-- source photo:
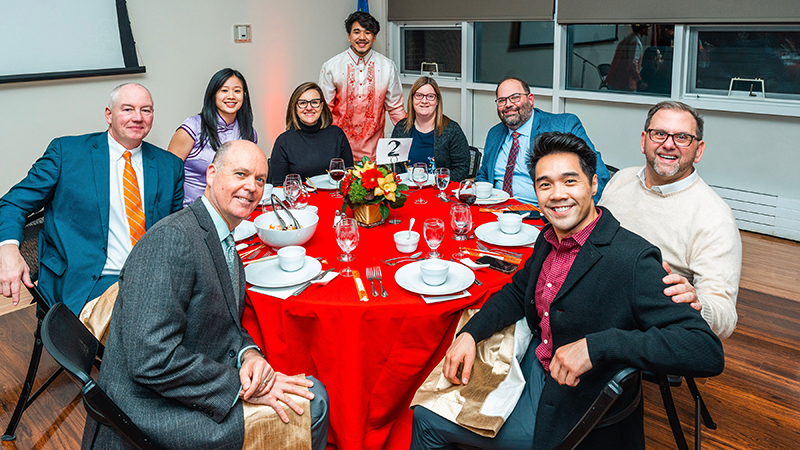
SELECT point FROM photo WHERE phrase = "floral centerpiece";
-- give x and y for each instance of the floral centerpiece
(370, 191)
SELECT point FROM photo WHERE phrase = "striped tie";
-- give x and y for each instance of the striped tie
(133, 200)
(508, 179)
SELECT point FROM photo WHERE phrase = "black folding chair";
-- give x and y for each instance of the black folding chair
(474, 162)
(75, 349)
(665, 384)
(29, 248)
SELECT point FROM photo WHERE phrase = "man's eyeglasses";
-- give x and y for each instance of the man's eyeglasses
(661, 136)
(316, 103)
(513, 98)
(419, 96)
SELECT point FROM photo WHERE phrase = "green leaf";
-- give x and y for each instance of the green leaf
(384, 210)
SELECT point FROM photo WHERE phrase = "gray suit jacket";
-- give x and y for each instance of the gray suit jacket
(170, 360)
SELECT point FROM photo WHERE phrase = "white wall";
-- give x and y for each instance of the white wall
(182, 43)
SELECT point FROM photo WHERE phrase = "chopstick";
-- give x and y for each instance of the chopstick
(251, 251)
(311, 183)
(266, 258)
(479, 253)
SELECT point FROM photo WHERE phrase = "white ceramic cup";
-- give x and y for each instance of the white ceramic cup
(510, 223)
(291, 258)
(483, 189)
(404, 243)
(309, 208)
(434, 271)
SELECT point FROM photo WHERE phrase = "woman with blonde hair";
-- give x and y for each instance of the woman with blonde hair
(437, 140)
(310, 140)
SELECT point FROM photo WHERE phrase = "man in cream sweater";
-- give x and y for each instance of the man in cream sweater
(668, 204)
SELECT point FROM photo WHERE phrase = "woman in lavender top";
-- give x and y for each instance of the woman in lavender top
(226, 116)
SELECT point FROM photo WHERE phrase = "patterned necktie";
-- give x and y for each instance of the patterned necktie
(508, 179)
(232, 257)
(133, 200)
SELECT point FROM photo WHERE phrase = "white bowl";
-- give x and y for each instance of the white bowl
(434, 271)
(483, 189)
(276, 238)
(404, 244)
(510, 223)
(291, 258)
(309, 208)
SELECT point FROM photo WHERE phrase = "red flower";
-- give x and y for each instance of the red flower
(346, 182)
(369, 179)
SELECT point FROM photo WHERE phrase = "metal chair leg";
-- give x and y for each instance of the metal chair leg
(697, 436)
(672, 414)
(27, 386)
(707, 421)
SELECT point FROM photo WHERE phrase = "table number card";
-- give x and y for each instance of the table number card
(392, 150)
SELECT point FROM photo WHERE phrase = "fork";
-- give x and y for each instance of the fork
(370, 277)
(376, 273)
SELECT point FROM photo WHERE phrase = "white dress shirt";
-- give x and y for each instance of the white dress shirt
(119, 231)
(521, 183)
(668, 188)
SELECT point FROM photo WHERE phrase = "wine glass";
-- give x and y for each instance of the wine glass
(467, 193)
(336, 173)
(433, 229)
(347, 238)
(419, 175)
(460, 221)
(291, 176)
(442, 176)
(295, 193)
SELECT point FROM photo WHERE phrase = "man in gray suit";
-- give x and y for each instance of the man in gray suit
(178, 360)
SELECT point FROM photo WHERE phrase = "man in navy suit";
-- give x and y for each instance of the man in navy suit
(79, 183)
(521, 124)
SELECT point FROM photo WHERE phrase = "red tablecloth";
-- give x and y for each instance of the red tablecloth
(372, 356)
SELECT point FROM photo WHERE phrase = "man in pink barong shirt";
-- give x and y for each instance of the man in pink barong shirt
(360, 85)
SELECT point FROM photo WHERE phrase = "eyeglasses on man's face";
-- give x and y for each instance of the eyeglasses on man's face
(315, 103)
(418, 96)
(513, 98)
(661, 136)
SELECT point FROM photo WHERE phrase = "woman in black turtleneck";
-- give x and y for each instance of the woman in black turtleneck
(310, 140)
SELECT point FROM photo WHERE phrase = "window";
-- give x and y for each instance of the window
(521, 49)
(630, 58)
(429, 49)
(747, 62)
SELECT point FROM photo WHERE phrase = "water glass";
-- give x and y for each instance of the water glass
(460, 221)
(347, 238)
(296, 194)
(442, 176)
(433, 230)
(419, 175)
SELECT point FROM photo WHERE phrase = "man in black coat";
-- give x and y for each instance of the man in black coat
(592, 295)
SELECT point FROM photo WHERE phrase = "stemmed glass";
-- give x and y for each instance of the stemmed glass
(433, 229)
(442, 176)
(347, 238)
(295, 193)
(336, 173)
(467, 192)
(419, 175)
(461, 223)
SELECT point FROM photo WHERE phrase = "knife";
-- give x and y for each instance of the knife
(308, 283)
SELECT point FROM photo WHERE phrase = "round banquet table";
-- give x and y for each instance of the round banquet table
(372, 356)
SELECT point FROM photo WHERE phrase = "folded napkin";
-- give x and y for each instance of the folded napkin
(444, 298)
(286, 292)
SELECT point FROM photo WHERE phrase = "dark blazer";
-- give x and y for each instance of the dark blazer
(543, 122)
(613, 296)
(171, 355)
(71, 182)
(450, 150)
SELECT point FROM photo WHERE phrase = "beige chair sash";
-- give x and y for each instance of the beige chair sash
(96, 315)
(490, 387)
(263, 428)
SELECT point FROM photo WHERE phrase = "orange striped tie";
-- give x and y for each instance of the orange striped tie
(133, 200)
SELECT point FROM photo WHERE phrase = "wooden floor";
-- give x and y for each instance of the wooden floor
(755, 401)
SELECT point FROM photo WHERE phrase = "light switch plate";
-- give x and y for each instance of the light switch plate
(241, 33)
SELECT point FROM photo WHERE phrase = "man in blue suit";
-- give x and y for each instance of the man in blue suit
(521, 124)
(78, 181)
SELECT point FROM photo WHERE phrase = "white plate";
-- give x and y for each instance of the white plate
(406, 178)
(459, 277)
(270, 275)
(324, 183)
(244, 230)
(278, 191)
(491, 234)
(498, 196)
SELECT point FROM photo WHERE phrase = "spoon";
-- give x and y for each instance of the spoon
(410, 226)
(526, 215)
(415, 255)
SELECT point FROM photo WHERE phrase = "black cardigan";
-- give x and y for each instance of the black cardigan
(450, 150)
(308, 151)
